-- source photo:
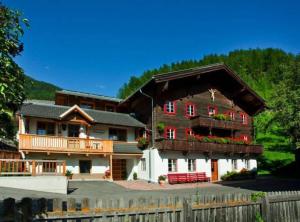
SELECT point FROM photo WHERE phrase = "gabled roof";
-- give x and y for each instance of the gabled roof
(49, 111)
(89, 95)
(76, 108)
(244, 92)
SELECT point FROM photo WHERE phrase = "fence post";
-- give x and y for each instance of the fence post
(265, 209)
(33, 168)
(187, 210)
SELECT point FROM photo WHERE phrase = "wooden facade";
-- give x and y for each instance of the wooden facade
(230, 95)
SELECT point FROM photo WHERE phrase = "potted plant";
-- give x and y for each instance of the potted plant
(142, 142)
(135, 177)
(162, 179)
(160, 127)
(69, 174)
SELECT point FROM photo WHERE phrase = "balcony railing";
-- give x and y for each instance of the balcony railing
(13, 167)
(214, 123)
(204, 147)
(56, 144)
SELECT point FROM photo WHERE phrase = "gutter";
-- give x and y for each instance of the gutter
(152, 132)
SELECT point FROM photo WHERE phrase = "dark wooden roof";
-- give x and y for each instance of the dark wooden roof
(7, 145)
(224, 77)
(54, 111)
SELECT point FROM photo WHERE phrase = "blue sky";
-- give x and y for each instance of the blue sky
(95, 46)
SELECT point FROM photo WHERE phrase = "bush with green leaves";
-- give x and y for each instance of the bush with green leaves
(242, 175)
(160, 127)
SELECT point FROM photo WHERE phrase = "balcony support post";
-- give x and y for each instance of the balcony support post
(110, 167)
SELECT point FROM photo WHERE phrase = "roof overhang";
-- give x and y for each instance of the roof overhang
(76, 109)
(243, 93)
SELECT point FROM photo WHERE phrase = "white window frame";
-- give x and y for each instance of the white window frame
(170, 107)
(172, 165)
(170, 133)
(143, 164)
(191, 165)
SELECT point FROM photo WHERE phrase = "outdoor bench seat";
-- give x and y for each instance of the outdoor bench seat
(174, 178)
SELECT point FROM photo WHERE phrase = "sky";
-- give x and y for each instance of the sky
(95, 46)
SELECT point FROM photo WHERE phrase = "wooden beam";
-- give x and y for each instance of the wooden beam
(110, 167)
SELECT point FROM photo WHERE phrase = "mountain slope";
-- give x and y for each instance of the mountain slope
(35, 89)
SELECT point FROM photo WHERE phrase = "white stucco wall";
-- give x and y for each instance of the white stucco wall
(98, 131)
(53, 184)
(159, 163)
(99, 164)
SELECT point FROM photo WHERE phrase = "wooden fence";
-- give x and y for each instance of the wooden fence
(14, 167)
(270, 207)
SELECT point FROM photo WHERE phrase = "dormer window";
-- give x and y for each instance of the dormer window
(212, 110)
(170, 133)
(190, 110)
(244, 119)
(170, 107)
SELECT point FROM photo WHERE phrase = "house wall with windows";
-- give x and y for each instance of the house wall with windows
(202, 164)
(97, 131)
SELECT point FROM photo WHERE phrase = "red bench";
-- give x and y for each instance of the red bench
(187, 177)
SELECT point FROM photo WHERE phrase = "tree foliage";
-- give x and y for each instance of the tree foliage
(286, 103)
(11, 75)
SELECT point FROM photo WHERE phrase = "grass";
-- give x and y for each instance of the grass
(279, 155)
(270, 161)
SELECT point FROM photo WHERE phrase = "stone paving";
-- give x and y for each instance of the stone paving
(144, 185)
(137, 189)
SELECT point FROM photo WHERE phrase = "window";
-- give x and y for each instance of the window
(212, 110)
(244, 118)
(188, 132)
(110, 108)
(170, 133)
(191, 165)
(117, 134)
(234, 165)
(143, 164)
(245, 138)
(231, 115)
(45, 128)
(49, 166)
(247, 164)
(172, 165)
(190, 110)
(170, 107)
(87, 105)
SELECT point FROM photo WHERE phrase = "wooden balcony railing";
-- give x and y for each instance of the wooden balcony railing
(203, 147)
(222, 124)
(56, 144)
(13, 167)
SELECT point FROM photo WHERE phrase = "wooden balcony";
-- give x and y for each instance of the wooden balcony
(221, 124)
(70, 145)
(202, 147)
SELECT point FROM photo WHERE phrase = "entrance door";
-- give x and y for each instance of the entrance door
(73, 130)
(119, 169)
(214, 170)
(85, 166)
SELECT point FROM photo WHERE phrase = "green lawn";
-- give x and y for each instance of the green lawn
(272, 160)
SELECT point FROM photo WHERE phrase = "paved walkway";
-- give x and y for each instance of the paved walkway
(144, 185)
(136, 189)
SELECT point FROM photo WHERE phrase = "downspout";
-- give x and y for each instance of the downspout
(20, 151)
(152, 132)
